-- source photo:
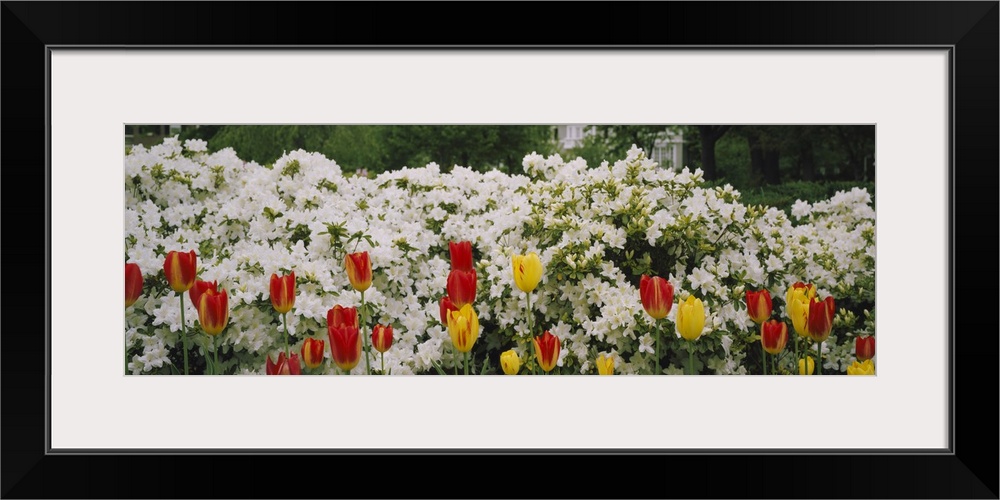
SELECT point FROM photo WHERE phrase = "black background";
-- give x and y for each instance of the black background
(971, 472)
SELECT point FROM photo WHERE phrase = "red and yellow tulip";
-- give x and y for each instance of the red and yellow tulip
(359, 270)
(463, 327)
(447, 306)
(819, 321)
(283, 366)
(382, 337)
(313, 351)
(759, 305)
(345, 346)
(527, 271)
(213, 311)
(864, 348)
(180, 270)
(342, 316)
(462, 287)
(797, 306)
(773, 336)
(133, 283)
(547, 348)
(283, 292)
(510, 362)
(657, 295)
(199, 288)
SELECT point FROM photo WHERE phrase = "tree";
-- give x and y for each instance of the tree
(709, 135)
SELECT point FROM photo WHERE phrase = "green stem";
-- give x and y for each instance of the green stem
(383, 363)
(284, 321)
(364, 315)
(531, 333)
(466, 363)
(656, 349)
(216, 357)
(691, 356)
(763, 353)
(184, 335)
(819, 358)
(797, 358)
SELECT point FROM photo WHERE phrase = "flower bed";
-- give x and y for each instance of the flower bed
(596, 231)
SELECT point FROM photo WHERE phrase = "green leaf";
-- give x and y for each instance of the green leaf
(438, 368)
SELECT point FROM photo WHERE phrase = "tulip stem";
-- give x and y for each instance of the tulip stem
(284, 322)
(184, 335)
(364, 318)
(819, 358)
(797, 358)
(656, 348)
(383, 363)
(216, 357)
(763, 359)
(531, 332)
(691, 357)
(466, 363)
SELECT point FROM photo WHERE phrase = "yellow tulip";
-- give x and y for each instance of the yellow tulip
(797, 306)
(527, 271)
(510, 362)
(690, 318)
(463, 326)
(802, 368)
(605, 365)
(866, 367)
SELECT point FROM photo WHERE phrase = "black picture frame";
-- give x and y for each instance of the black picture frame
(969, 29)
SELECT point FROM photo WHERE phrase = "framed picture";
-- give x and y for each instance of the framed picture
(928, 86)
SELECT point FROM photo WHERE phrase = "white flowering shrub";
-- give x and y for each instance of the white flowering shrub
(597, 230)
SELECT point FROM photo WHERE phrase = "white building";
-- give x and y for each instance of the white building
(668, 152)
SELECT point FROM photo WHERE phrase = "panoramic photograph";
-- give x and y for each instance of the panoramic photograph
(562, 249)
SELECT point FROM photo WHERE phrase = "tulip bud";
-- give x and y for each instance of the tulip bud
(819, 321)
(462, 287)
(759, 305)
(312, 352)
(133, 283)
(382, 337)
(213, 311)
(510, 362)
(773, 336)
(345, 346)
(527, 271)
(447, 306)
(284, 366)
(605, 365)
(864, 348)
(657, 295)
(201, 287)
(463, 327)
(359, 270)
(797, 306)
(283, 292)
(461, 255)
(690, 319)
(179, 269)
(546, 350)
(866, 367)
(802, 366)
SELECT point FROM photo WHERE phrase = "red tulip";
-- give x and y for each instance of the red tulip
(345, 346)
(462, 287)
(180, 269)
(213, 311)
(283, 292)
(820, 319)
(359, 270)
(199, 288)
(446, 308)
(657, 295)
(284, 366)
(461, 255)
(773, 336)
(759, 305)
(312, 352)
(133, 283)
(382, 337)
(342, 316)
(546, 350)
(864, 348)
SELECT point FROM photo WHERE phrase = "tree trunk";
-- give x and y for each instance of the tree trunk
(807, 162)
(772, 174)
(710, 134)
(756, 157)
